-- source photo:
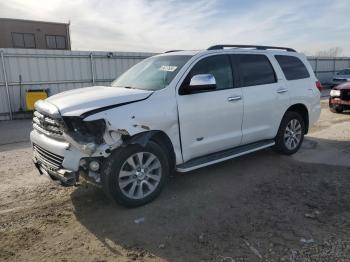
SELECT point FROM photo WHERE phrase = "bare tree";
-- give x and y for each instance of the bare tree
(331, 52)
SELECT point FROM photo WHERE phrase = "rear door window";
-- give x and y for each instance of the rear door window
(292, 67)
(254, 69)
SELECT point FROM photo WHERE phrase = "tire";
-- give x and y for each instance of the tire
(286, 134)
(130, 184)
(336, 108)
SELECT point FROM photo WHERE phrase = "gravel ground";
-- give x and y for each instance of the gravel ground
(260, 207)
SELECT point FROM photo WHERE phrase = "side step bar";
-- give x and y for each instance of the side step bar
(223, 155)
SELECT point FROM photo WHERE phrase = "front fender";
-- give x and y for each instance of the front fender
(141, 120)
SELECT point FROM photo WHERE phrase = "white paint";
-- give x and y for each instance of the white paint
(208, 122)
(78, 101)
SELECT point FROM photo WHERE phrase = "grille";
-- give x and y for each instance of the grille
(47, 158)
(47, 125)
(345, 94)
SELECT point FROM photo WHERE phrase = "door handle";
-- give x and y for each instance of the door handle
(234, 98)
(282, 90)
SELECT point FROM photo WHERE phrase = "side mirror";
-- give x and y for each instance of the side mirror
(202, 82)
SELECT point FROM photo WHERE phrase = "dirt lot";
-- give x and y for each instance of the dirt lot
(260, 207)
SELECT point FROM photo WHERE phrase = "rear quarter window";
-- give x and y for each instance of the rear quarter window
(293, 68)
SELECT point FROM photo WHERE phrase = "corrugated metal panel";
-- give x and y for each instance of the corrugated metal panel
(340, 64)
(325, 68)
(61, 70)
(4, 106)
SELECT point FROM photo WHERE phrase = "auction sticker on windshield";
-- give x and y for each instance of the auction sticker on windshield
(168, 68)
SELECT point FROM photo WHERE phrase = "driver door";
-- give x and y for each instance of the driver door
(210, 121)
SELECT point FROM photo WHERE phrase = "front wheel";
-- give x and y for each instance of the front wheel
(336, 108)
(290, 134)
(135, 175)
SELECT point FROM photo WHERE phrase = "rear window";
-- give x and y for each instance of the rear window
(254, 70)
(292, 67)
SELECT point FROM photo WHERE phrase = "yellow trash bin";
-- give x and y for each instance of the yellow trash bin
(33, 95)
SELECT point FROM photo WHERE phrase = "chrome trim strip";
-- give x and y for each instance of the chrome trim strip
(183, 170)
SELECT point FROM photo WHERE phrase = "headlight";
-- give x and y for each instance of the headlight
(335, 92)
(85, 131)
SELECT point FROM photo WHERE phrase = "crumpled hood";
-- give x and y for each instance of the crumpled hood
(78, 101)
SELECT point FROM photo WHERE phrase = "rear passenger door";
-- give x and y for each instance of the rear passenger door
(266, 97)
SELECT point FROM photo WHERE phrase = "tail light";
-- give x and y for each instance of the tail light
(319, 85)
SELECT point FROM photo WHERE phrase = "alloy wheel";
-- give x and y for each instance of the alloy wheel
(140, 175)
(292, 134)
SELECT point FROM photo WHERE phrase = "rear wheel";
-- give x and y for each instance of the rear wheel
(290, 134)
(135, 175)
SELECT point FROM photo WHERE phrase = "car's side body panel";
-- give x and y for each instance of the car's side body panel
(265, 105)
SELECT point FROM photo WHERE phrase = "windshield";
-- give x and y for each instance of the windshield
(153, 73)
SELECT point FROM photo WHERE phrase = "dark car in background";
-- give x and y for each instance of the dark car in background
(341, 76)
(339, 99)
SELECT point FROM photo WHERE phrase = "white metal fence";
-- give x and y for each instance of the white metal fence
(58, 70)
(325, 68)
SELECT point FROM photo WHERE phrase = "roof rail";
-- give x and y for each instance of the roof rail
(170, 51)
(258, 47)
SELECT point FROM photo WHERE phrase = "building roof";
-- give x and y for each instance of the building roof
(32, 21)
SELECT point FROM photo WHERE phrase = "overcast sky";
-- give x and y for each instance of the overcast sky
(159, 25)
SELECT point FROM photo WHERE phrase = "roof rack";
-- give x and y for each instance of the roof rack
(170, 51)
(258, 47)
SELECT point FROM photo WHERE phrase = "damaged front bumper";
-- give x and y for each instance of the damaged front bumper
(66, 177)
(61, 161)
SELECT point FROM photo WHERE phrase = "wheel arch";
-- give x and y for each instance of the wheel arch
(304, 113)
(158, 136)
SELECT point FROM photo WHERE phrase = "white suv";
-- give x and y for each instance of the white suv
(180, 110)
